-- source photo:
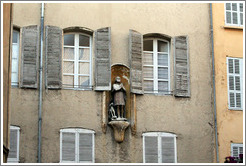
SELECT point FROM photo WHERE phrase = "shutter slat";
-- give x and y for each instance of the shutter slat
(68, 146)
(30, 57)
(103, 59)
(151, 149)
(136, 65)
(168, 151)
(85, 147)
(53, 53)
(181, 60)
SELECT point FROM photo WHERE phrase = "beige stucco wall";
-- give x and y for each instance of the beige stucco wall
(228, 42)
(188, 118)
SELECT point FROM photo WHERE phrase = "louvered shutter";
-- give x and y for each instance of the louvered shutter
(30, 57)
(53, 51)
(151, 149)
(13, 144)
(103, 59)
(136, 65)
(68, 147)
(168, 150)
(85, 147)
(181, 65)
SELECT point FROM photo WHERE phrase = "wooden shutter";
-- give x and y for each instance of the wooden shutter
(30, 57)
(85, 147)
(103, 59)
(53, 51)
(68, 146)
(181, 61)
(168, 150)
(151, 149)
(13, 144)
(136, 65)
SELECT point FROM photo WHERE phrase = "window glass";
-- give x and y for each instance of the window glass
(15, 59)
(69, 39)
(148, 45)
(15, 36)
(162, 46)
(84, 40)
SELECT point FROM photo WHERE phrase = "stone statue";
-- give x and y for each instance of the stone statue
(119, 98)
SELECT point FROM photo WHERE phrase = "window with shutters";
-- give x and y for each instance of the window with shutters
(235, 83)
(159, 147)
(13, 156)
(156, 66)
(76, 146)
(234, 14)
(15, 58)
(77, 61)
(236, 149)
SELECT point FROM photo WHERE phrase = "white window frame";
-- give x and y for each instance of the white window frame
(155, 66)
(15, 59)
(241, 83)
(238, 15)
(77, 132)
(159, 135)
(15, 160)
(77, 61)
(238, 145)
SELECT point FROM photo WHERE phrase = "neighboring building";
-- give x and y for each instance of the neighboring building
(161, 53)
(6, 57)
(228, 23)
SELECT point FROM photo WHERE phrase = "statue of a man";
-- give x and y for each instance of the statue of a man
(119, 97)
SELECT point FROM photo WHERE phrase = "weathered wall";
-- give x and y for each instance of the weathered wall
(228, 42)
(189, 118)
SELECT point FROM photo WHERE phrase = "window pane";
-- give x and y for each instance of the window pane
(162, 73)
(68, 81)
(148, 45)
(68, 67)
(228, 6)
(232, 100)
(69, 40)
(151, 149)
(84, 54)
(15, 37)
(84, 81)
(163, 59)
(148, 59)
(162, 86)
(168, 151)
(237, 68)
(241, 7)
(162, 46)
(14, 66)
(234, 18)
(237, 82)
(85, 147)
(84, 68)
(148, 85)
(228, 17)
(84, 40)
(15, 51)
(238, 100)
(14, 78)
(230, 65)
(241, 18)
(69, 53)
(68, 146)
(234, 6)
(148, 72)
(231, 83)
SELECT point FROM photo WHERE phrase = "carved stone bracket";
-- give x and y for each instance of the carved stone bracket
(119, 128)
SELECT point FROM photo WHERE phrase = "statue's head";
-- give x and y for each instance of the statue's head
(117, 79)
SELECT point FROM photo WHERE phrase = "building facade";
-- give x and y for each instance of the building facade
(163, 58)
(228, 52)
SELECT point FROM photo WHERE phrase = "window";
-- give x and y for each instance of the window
(15, 58)
(235, 83)
(156, 70)
(234, 14)
(159, 147)
(13, 156)
(77, 61)
(236, 149)
(76, 146)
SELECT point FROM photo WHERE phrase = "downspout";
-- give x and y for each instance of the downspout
(215, 112)
(40, 83)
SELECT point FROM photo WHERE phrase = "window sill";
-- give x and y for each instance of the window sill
(233, 27)
(79, 89)
(235, 109)
(159, 94)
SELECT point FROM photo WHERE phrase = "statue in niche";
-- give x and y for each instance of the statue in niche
(119, 100)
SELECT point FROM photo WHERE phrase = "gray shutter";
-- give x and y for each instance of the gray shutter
(53, 51)
(13, 144)
(103, 59)
(136, 65)
(85, 147)
(181, 61)
(68, 146)
(30, 57)
(151, 149)
(168, 150)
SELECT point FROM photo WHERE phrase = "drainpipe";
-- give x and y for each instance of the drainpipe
(215, 113)
(40, 84)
